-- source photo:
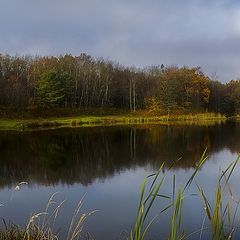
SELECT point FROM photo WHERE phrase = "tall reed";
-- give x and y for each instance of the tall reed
(41, 226)
(221, 213)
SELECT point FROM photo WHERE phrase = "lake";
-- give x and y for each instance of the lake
(108, 165)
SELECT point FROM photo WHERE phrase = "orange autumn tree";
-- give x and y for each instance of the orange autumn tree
(183, 88)
(198, 88)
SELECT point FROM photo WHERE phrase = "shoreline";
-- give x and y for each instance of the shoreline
(110, 120)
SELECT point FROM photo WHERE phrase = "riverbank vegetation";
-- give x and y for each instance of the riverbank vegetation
(82, 85)
(221, 211)
(40, 226)
(88, 121)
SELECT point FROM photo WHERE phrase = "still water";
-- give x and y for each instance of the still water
(108, 165)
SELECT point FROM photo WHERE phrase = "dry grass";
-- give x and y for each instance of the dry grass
(41, 226)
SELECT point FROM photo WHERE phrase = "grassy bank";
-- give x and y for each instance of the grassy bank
(85, 121)
(238, 117)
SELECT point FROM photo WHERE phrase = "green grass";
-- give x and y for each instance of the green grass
(8, 124)
(86, 121)
(238, 117)
(221, 212)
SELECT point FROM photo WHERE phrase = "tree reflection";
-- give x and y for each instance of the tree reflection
(69, 156)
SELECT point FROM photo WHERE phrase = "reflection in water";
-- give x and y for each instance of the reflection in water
(109, 164)
(83, 155)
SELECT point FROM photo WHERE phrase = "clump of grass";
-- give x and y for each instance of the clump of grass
(14, 232)
(11, 231)
(145, 204)
(41, 226)
(222, 217)
(73, 123)
(176, 217)
(147, 200)
(219, 214)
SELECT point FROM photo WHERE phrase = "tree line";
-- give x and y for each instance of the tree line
(84, 82)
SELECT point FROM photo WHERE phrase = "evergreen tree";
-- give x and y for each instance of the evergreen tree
(53, 88)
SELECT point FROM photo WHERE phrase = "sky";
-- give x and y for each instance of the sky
(137, 33)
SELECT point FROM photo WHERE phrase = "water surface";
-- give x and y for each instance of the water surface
(108, 164)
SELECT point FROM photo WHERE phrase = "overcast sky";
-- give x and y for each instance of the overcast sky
(133, 32)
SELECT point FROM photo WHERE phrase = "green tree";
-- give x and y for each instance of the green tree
(53, 89)
(234, 93)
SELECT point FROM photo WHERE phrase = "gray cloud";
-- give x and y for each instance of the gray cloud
(133, 32)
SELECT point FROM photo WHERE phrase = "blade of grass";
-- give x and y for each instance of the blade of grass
(199, 165)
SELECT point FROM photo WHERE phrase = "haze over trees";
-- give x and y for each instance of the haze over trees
(28, 83)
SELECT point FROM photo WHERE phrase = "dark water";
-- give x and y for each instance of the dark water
(109, 164)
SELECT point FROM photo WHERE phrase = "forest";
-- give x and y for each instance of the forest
(33, 83)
